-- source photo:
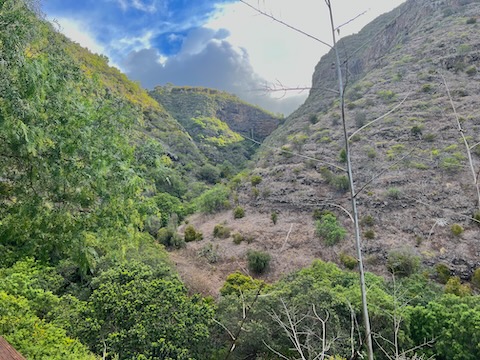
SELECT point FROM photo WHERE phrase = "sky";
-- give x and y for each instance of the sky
(223, 44)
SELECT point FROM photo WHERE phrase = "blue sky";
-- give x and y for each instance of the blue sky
(215, 43)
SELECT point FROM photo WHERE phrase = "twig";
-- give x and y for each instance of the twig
(285, 24)
(379, 118)
(295, 154)
(465, 141)
(384, 171)
(286, 239)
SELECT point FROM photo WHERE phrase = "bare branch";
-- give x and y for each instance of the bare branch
(286, 239)
(384, 171)
(285, 24)
(465, 141)
(225, 328)
(351, 20)
(379, 118)
(295, 154)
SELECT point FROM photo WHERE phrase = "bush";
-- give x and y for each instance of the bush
(360, 119)
(471, 21)
(238, 238)
(192, 235)
(214, 200)
(393, 193)
(238, 213)
(237, 283)
(369, 234)
(476, 278)
(169, 238)
(329, 229)
(258, 261)
(455, 286)
(367, 220)
(274, 217)
(313, 118)
(471, 70)
(443, 273)
(342, 157)
(416, 130)
(402, 262)
(348, 261)
(255, 180)
(221, 231)
(210, 253)
(456, 229)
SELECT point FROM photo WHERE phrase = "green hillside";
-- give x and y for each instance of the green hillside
(218, 122)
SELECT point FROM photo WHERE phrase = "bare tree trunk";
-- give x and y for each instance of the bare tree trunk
(358, 245)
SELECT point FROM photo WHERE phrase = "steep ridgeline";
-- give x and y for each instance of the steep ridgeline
(425, 195)
(217, 121)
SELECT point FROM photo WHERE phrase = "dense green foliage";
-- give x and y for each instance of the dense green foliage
(141, 309)
(258, 261)
(329, 229)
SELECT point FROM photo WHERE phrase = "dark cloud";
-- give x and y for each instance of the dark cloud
(206, 59)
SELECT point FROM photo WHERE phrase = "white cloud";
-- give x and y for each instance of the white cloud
(281, 55)
(137, 4)
(79, 32)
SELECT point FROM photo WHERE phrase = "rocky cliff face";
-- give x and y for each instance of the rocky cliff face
(410, 164)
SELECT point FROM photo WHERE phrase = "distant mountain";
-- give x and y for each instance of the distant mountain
(218, 122)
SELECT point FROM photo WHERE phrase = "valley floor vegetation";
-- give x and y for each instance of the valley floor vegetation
(88, 207)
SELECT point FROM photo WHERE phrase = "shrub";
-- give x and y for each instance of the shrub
(221, 231)
(386, 95)
(274, 217)
(367, 220)
(360, 119)
(476, 216)
(443, 273)
(214, 200)
(429, 137)
(237, 283)
(340, 182)
(471, 70)
(455, 286)
(169, 238)
(451, 164)
(416, 130)
(348, 261)
(313, 118)
(402, 262)
(329, 229)
(471, 20)
(238, 238)
(393, 193)
(426, 88)
(369, 234)
(258, 261)
(456, 229)
(210, 253)
(476, 278)
(371, 153)
(238, 213)
(342, 156)
(192, 235)
(255, 180)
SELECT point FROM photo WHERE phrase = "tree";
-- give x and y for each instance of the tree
(136, 309)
